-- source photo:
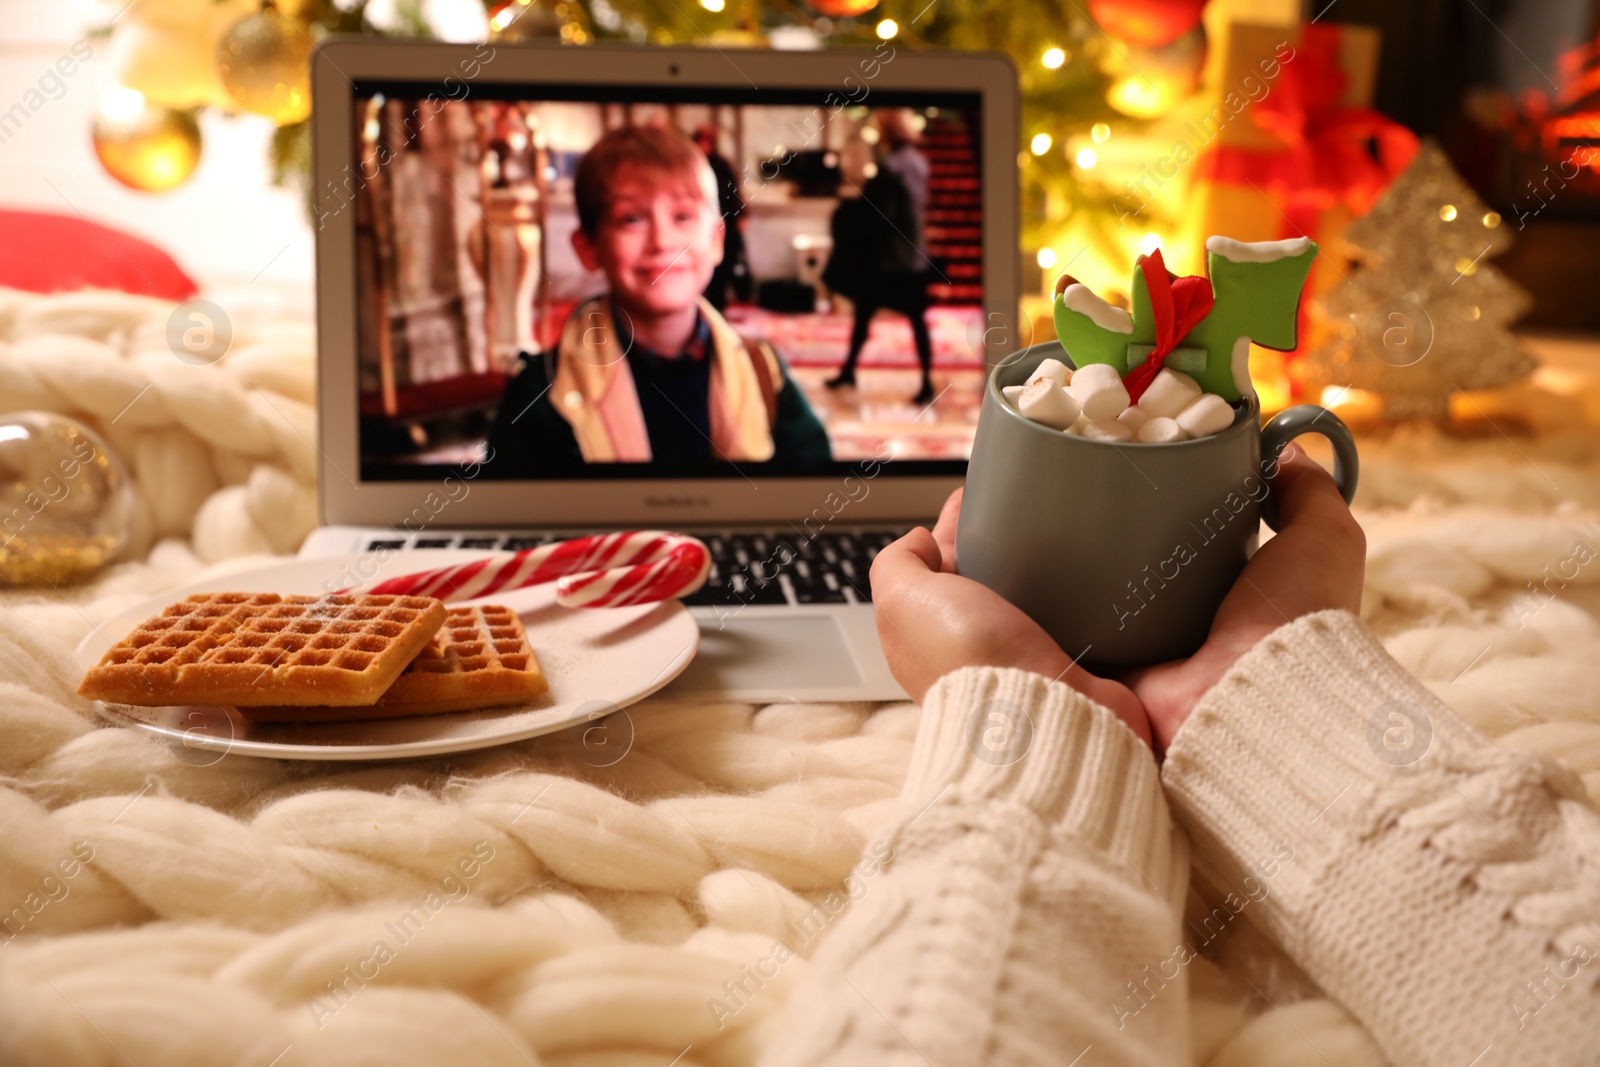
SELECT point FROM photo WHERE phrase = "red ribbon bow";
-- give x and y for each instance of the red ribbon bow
(1178, 305)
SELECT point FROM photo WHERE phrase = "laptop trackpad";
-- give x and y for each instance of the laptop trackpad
(770, 652)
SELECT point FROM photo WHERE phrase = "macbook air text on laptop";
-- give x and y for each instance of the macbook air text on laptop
(749, 295)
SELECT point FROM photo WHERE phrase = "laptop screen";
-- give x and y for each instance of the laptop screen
(559, 282)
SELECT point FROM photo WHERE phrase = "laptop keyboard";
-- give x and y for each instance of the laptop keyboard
(747, 567)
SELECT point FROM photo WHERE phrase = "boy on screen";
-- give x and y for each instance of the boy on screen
(649, 372)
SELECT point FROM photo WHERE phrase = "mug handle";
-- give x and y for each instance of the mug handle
(1309, 418)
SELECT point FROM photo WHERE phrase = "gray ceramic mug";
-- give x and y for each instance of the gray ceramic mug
(1123, 553)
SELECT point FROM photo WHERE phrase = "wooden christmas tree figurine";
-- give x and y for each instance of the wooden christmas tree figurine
(1424, 313)
(1202, 328)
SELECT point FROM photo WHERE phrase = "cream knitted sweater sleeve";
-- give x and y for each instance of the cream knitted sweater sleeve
(1032, 875)
(1447, 891)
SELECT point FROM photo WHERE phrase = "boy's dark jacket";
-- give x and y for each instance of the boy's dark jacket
(576, 404)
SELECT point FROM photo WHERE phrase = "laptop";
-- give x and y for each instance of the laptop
(459, 270)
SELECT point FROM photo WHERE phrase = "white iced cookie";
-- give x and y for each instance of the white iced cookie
(1053, 369)
(1208, 415)
(1168, 393)
(1012, 392)
(1107, 430)
(1134, 419)
(1048, 404)
(1161, 431)
(1098, 391)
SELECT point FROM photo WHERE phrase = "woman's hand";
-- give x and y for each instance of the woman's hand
(1314, 564)
(932, 621)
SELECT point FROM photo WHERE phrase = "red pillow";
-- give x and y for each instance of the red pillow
(45, 253)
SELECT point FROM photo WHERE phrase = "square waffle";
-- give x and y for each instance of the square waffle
(480, 658)
(261, 648)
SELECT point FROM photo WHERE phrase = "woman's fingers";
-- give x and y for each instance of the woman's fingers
(900, 577)
(1306, 492)
(916, 551)
(944, 531)
(1321, 550)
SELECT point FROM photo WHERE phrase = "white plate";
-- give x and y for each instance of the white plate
(597, 661)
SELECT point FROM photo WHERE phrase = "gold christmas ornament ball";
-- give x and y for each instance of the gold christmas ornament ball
(66, 503)
(264, 61)
(151, 149)
(841, 9)
(540, 20)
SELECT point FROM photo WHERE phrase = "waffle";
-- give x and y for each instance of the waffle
(479, 659)
(260, 648)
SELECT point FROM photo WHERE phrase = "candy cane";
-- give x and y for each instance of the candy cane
(680, 572)
(607, 570)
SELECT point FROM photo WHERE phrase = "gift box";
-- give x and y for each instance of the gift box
(1292, 147)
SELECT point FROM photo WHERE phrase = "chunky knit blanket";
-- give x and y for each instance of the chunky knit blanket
(548, 901)
(221, 451)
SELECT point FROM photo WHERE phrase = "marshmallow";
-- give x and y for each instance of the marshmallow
(1168, 393)
(1107, 430)
(1011, 392)
(1134, 419)
(1098, 390)
(1047, 403)
(1161, 431)
(1053, 369)
(1208, 415)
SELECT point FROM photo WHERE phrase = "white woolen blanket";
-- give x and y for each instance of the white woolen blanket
(538, 902)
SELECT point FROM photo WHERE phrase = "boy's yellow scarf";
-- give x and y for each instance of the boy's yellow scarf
(593, 390)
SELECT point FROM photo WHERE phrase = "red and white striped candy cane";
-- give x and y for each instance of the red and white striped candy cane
(678, 573)
(604, 571)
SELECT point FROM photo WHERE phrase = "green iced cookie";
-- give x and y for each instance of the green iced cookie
(1257, 297)
(1257, 290)
(1092, 331)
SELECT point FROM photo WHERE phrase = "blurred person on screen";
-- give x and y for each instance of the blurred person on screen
(880, 255)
